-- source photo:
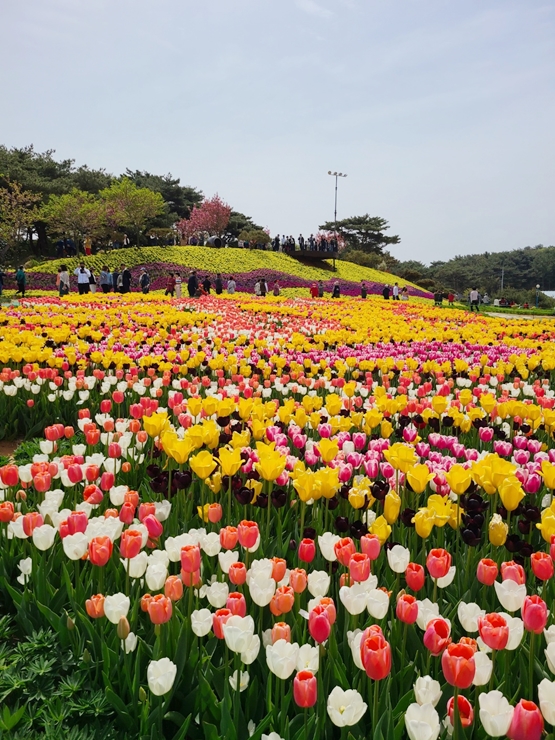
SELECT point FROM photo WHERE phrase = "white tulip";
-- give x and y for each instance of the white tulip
(377, 603)
(516, 631)
(261, 591)
(137, 565)
(116, 606)
(43, 537)
(75, 545)
(354, 598)
(308, 658)
(163, 510)
(210, 543)
(159, 556)
(46, 446)
(496, 713)
(25, 566)
(173, 546)
(355, 649)
(117, 495)
(511, 595)
(130, 642)
(345, 708)
(447, 580)
(326, 543)
(217, 594)
(238, 632)
(546, 695)
(201, 622)
(243, 681)
(468, 615)
(318, 582)
(484, 667)
(549, 634)
(422, 722)
(427, 690)
(398, 558)
(260, 569)
(249, 655)
(550, 656)
(155, 576)
(281, 658)
(55, 498)
(161, 675)
(227, 558)
(15, 529)
(271, 736)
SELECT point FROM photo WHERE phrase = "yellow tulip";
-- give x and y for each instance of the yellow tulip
(328, 449)
(497, 531)
(210, 405)
(195, 436)
(202, 511)
(465, 396)
(357, 499)
(442, 508)
(194, 406)
(501, 469)
(271, 465)
(482, 476)
(381, 529)
(439, 404)
(459, 479)
(211, 434)
(256, 486)
(423, 522)
(214, 483)
(245, 408)
(202, 464)
(487, 402)
(315, 419)
(333, 404)
(304, 485)
(327, 482)
(547, 524)
(401, 457)
(154, 425)
(373, 418)
(419, 476)
(511, 493)
(180, 449)
(386, 429)
(230, 461)
(392, 507)
(240, 439)
(548, 474)
(258, 429)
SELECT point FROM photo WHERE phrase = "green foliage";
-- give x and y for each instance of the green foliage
(238, 223)
(179, 199)
(364, 233)
(18, 212)
(128, 206)
(76, 213)
(254, 236)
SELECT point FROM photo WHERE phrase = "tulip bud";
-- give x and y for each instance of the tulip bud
(86, 656)
(123, 629)
(70, 624)
(142, 695)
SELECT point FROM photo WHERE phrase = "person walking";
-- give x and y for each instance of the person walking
(207, 285)
(125, 279)
(314, 291)
(178, 283)
(170, 287)
(192, 284)
(115, 280)
(363, 290)
(474, 297)
(277, 289)
(396, 292)
(21, 280)
(257, 288)
(263, 288)
(219, 284)
(231, 286)
(87, 246)
(320, 289)
(63, 281)
(144, 281)
(336, 290)
(92, 282)
(385, 292)
(83, 277)
(105, 280)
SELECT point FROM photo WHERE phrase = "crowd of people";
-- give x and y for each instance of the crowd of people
(319, 243)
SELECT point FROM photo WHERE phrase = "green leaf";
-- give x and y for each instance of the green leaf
(182, 732)
(210, 732)
(9, 720)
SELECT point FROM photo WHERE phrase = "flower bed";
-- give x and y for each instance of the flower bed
(283, 518)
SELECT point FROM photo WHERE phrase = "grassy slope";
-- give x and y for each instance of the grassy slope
(226, 261)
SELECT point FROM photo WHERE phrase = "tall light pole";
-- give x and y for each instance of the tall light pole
(336, 175)
(537, 295)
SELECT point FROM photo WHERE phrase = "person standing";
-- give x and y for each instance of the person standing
(336, 290)
(144, 281)
(115, 280)
(257, 288)
(83, 277)
(385, 292)
(87, 246)
(92, 282)
(314, 291)
(320, 289)
(474, 299)
(396, 292)
(2, 276)
(263, 288)
(21, 280)
(170, 288)
(277, 289)
(207, 285)
(192, 284)
(231, 286)
(125, 279)
(178, 282)
(63, 285)
(219, 284)
(363, 290)
(105, 279)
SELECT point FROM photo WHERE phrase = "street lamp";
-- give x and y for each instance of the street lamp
(537, 295)
(336, 175)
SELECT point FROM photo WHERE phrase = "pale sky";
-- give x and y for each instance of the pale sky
(441, 112)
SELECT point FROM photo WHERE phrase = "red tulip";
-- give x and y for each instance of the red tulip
(466, 713)
(146, 509)
(375, 653)
(190, 558)
(31, 521)
(100, 550)
(305, 689)
(415, 576)
(359, 567)
(436, 637)
(542, 565)
(319, 624)
(154, 526)
(407, 609)
(282, 601)
(370, 545)
(281, 631)
(494, 631)
(190, 579)
(279, 566)
(247, 533)
(237, 573)
(215, 513)
(130, 543)
(487, 571)
(107, 481)
(92, 494)
(114, 450)
(9, 475)
(438, 562)
(219, 618)
(228, 537)
(75, 473)
(77, 521)
(127, 513)
(6, 511)
(236, 604)
(95, 606)
(42, 482)
(160, 609)
(92, 472)
(307, 550)
(457, 663)
(298, 580)
(344, 548)
(105, 406)
(527, 722)
(534, 613)
(173, 588)
(512, 571)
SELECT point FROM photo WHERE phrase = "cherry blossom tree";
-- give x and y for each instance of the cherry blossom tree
(211, 217)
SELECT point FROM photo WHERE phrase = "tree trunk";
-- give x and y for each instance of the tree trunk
(42, 241)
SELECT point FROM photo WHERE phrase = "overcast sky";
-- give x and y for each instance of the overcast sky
(441, 112)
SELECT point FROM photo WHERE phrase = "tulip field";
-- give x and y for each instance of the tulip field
(275, 518)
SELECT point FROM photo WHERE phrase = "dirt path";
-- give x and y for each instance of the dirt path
(8, 446)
